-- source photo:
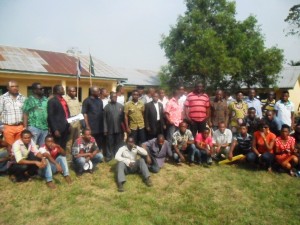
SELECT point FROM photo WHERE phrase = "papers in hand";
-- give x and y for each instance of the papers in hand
(75, 118)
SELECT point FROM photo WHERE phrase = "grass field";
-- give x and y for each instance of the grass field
(180, 195)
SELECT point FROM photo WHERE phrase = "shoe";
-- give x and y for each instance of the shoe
(108, 159)
(120, 187)
(13, 178)
(79, 174)
(91, 171)
(148, 182)
(51, 185)
(68, 179)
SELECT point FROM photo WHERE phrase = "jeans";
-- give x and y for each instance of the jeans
(154, 168)
(201, 155)
(193, 152)
(38, 135)
(266, 158)
(189, 151)
(50, 169)
(79, 162)
(170, 131)
(3, 165)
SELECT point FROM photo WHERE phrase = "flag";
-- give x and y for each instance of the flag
(92, 71)
(79, 69)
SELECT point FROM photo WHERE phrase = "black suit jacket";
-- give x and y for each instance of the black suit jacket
(56, 115)
(151, 117)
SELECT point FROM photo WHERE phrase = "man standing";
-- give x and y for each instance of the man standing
(197, 109)
(269, 103)
(120, 94)
(92, 110)
(75, 109)
(219, 110)
(285, 110)
(158, 149)
(149, 96)
(254, 102)
(113, 119)
(85, 149)
(154, 118)
(134, 118)
(128, 163)
(162, 98)
(58, 113)
(35, 114)
(104, 96)
(11, 112)
(173, 114)
(237, 112)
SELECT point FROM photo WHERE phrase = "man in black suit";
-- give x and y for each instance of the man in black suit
(58, 113)
(154, 118)
(92, 110)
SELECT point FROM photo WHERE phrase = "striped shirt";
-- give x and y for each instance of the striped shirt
(11, 109)
(198, 106)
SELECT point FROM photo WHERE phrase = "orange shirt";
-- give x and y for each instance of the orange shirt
(260, 144)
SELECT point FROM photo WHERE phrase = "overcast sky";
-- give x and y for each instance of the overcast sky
(123, 33)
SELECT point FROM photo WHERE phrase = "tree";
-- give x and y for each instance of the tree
(208, 44)
(294, 20)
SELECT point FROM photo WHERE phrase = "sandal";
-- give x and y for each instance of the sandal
(292, 173)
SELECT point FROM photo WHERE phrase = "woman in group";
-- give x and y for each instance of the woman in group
(262, 146)
(285, 150)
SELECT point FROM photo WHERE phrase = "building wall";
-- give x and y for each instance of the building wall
(25, 80)
(295, 95)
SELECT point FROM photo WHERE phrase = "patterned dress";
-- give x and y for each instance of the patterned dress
(281, 154)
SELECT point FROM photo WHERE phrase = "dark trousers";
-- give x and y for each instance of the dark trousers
(63, 139)
(170, 131)
(138, 136)
(99, 137)
(113, 143)
(19, 170)
(198, 127)
(267, 158)
(159, 130)
(154, 168)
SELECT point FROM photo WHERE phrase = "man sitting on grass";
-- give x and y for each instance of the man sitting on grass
(183, 143)
(57, 162)
(5, 152)
(221, 142)
(85, 149)
(158, 149)
(128, 163)
(204, 147)
(242, 143)
(28, 159)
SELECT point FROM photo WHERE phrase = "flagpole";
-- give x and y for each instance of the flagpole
(90, 71)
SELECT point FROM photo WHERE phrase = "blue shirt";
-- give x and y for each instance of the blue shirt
(255, 103)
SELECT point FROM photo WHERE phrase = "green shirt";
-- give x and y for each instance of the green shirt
(36, 109)
(135, 112)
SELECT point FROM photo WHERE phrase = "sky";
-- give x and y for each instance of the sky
(124, 33)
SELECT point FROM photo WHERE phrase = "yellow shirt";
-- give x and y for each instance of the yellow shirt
(135, 112)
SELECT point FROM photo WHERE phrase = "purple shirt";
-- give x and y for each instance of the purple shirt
(158, 154)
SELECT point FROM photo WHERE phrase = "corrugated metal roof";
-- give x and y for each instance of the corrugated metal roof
(31, 60)
(140, 77)
(288, 77)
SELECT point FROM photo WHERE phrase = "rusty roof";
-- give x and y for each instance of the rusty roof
(39, 61)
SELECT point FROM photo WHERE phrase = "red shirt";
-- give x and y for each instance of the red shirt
(198, 105)
(64, 105)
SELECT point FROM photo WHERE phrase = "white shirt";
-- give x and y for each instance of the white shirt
(181, 101)
(284, 110)
(157, 110)
(222, 138)
(164, 101)
(121, 99)
(105, 102)
(126, 156)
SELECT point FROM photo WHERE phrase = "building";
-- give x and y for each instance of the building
(50, 68)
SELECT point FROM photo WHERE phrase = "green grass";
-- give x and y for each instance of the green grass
(180, 195)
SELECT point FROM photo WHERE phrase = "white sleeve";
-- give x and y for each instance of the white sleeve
(141, 151)
(120, 158)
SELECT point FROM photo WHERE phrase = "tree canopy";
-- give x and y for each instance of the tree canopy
(294, 20)
(208, 44)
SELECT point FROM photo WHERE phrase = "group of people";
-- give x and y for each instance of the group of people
(39, 132)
